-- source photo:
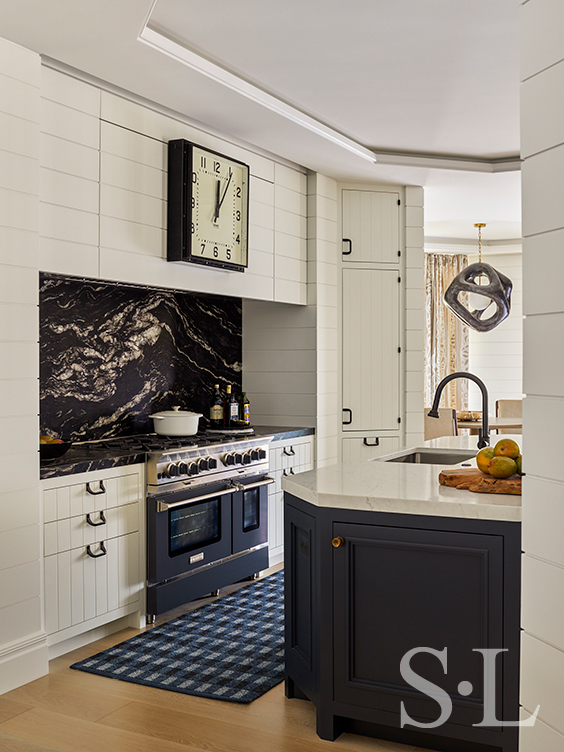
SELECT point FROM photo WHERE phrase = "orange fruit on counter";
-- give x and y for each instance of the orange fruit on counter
(483, 458)
(507, 448)
(502, 467)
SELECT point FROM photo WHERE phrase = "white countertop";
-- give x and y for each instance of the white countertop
(403, 488)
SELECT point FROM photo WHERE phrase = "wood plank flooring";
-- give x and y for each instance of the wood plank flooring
(72, 711)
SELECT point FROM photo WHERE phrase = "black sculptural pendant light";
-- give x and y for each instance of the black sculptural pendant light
(488, 304)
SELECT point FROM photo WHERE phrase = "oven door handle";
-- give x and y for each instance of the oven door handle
(163, 506)
(242, 487)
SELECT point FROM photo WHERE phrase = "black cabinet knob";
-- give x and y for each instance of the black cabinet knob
(172, 470)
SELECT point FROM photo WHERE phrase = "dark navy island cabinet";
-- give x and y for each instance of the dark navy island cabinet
(365, 588)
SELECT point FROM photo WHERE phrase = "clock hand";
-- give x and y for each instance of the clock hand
(217, 203)
(224, 192)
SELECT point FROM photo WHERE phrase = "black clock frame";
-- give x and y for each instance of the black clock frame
(179, 206)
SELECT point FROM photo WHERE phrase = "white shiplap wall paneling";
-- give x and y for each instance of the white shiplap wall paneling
(23, 653)
(542, 72)
(135, 117)
(497, 356)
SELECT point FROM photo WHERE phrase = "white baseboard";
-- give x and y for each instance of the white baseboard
(23, 661)
(85, 638)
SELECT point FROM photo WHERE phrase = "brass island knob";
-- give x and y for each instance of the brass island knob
(337, 542)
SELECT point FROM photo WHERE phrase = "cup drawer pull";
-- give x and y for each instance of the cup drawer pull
(102, 551)
(101, 490)
(102, 520)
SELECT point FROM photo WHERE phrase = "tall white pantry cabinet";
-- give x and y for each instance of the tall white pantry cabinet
(371, 321)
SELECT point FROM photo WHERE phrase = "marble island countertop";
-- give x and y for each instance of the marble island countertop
(403, 488)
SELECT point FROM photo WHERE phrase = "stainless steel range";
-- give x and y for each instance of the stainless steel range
(207, 518)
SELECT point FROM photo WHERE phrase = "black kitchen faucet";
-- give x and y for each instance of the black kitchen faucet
(484, 431)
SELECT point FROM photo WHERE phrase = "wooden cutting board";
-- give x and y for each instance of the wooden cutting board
(472, 479)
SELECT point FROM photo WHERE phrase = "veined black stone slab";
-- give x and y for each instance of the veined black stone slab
(110, 355)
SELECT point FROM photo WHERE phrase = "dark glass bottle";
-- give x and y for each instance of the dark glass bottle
(245, 409)
(230, 409)
(216, 409)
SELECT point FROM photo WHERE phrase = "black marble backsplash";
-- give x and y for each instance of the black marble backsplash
(110, 355)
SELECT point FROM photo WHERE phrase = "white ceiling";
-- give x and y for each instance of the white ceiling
(404, 79)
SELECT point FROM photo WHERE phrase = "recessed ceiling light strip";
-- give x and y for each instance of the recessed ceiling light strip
(220, 75)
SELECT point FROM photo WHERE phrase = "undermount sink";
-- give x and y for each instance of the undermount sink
(424, 456)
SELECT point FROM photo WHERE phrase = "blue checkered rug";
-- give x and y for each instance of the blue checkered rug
(231, 649)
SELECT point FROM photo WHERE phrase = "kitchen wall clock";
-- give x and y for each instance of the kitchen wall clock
(208, 207)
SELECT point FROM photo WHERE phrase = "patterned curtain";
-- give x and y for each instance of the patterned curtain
(446, 346)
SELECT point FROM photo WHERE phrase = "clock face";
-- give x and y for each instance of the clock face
(218, 209)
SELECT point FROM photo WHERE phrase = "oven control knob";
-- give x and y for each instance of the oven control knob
(262, 454)
(247, 458)
(255, 454)
(229, 459)
(238, 458)
(193, 468)
(212, 463)
(172, 470)
(204, 463)
(182, 468)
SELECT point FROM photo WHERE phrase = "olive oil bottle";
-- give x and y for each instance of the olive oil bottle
(216, 409)
(245, 409)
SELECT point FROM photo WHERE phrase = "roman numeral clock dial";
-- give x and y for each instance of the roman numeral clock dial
(207, 207)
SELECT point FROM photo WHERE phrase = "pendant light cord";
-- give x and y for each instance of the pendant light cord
(479, 225)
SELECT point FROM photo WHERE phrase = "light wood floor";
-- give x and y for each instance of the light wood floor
(72, 711)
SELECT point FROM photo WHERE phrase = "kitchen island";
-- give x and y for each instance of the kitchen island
(388, 572)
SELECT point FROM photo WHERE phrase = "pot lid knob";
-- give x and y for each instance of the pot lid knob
(176, 408)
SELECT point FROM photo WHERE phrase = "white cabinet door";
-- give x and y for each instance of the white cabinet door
(371, 357)
(370, 226)
(287, 457)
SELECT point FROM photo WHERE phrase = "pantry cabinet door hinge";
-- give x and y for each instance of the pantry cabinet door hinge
(399, 280)
(399, 349)
(399, 420)
(399, 253)
(399, 201)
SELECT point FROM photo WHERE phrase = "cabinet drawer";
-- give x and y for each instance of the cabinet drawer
(79, 587)
(89, 528)
(93, 496)
(291, 455)
(355, 449)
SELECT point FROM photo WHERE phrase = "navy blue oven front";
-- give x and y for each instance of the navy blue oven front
(201, 539)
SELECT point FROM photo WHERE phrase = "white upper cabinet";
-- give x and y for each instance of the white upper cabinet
(370, 226)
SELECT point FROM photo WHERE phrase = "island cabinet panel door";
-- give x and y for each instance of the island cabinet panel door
(400, 589)
(371, 356)
(299, 564)
(370, 226)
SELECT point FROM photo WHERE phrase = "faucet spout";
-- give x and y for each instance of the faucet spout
(484, 431)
